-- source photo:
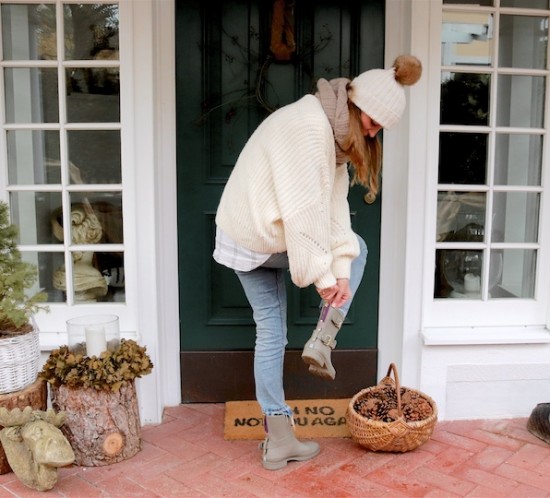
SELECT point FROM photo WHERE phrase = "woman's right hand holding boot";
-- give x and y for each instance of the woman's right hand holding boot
(338, 294)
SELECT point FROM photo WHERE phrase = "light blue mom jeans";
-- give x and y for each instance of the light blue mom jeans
(266, 292)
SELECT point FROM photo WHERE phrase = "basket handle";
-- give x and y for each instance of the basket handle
(393, 369)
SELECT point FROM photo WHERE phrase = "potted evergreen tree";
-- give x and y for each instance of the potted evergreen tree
(19, 347)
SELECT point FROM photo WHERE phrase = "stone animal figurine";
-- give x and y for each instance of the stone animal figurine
(538, 423)
(34, 445)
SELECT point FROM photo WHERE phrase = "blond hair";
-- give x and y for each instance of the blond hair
(364, 152)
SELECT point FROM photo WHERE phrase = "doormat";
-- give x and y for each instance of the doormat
(312, 418)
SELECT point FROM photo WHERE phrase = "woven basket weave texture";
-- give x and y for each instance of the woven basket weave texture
(397, 436)
(19, 361)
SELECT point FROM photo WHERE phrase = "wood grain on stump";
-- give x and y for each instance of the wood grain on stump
(35, 395)
(103, 427)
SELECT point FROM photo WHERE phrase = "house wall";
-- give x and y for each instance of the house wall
(471, 373)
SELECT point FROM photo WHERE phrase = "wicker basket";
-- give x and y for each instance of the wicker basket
(19, 361)
(395, 436)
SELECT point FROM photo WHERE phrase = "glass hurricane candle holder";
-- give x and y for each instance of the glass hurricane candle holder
(91, 335)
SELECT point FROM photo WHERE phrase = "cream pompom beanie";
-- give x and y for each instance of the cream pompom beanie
(379, 93)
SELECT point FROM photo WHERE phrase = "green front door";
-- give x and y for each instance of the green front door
(228, 81)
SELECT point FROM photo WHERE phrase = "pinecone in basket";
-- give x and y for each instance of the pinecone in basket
(380, 404)
(373, 408)
(416, 408)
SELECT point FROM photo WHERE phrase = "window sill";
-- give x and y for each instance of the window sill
(464, 336)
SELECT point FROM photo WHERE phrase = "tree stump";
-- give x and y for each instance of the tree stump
(103, 427)
(35, 395)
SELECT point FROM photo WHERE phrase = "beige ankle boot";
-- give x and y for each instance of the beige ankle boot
(281, 446)
(321, 343)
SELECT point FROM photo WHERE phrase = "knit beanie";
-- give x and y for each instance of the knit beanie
(379, 93)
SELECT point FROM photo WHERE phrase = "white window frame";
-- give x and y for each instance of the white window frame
(52, 325)
(461, 320)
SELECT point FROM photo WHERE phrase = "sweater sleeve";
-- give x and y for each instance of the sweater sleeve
(312, 197)
(303, 178)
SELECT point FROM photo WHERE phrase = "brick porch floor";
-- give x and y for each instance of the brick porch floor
(186, 456)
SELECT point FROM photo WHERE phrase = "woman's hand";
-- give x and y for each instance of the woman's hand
(338, 294)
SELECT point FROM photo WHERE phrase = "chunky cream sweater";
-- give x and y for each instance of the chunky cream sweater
(286, 193)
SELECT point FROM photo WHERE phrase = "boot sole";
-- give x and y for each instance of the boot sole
(283, 463)
(312, 357)
(321, 372)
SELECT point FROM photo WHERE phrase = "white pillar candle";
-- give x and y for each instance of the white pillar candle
(96, 340)
(472, 283)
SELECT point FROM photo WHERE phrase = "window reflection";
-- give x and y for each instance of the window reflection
(466, 39)
(465, 99)
(518, 159)
(28, 32)
(91, 31)
(523, 41)
(515, 271)
(96, 218)
(31, 95)
(97, 154)
(469, 2)
(460, 216)
(521, 101)
(33, 157)
(463, 158)
(31, 212)
(93, 95)
(516, 216)
(458, 274)
(525, 4)
(46, 262)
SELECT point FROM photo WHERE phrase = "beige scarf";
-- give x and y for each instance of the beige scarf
(334, 99)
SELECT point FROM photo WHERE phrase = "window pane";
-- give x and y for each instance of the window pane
(28, 32)
(93, 95)
(32, 212)
(91, 31)
(463, 158)
(518, 159)
(88, 283)
(466, 39)
(521, 101)
(465, 99)
(47, 264)
(525, 4)
(111, 266)
(95, 155)
(523, 41)
(31, 95)
(458, 274)
(469, 2)
(33, 157)
(514, 273)
(516, 217)
(96, 218)
(460, 217)
(97, 277)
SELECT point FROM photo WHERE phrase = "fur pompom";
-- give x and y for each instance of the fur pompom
(408, 69)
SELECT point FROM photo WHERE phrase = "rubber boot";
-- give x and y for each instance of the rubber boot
(321, 343)
(281, 446)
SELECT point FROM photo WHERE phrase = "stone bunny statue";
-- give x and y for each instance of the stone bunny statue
(34, 445)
